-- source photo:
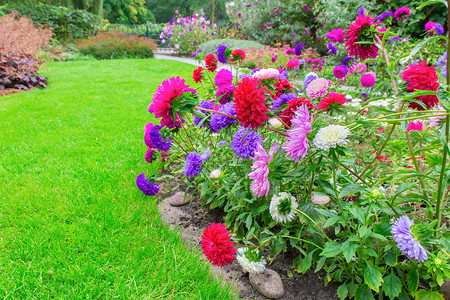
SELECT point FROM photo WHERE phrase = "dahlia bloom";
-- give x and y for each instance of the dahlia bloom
(362, 30)
(309, 78)
(282, 207)
(217, 245)
(281, 100)
(250, 265)
(221, 51)
(340, 71)
(368, 79)
(298, 49)
(282, 86)
(244, 144)
(223, 78)
(260, 174)
(211, 62)
(331, 137)
(250, 103)
(402, 14)
(297, 142)
(147, 187)
(288, 114)
(158, 140)
(193, 165)
(147, 139)
(218, 121)
(292, 64)
(197, 74)
(336, 35)
(169, 90)
(406, 242)
(415, 125)
(225, 92)
(237, 55)
(421, 77)
(333, 101)
(204, 104)
(317, 88)
(266, 73)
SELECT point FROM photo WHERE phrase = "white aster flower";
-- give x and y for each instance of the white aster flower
(215, 173)
(275, 123)
(254, 267)
(282, 207)
(331, 136)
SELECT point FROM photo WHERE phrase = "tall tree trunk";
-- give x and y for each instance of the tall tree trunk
(213, 13)
(98, 8)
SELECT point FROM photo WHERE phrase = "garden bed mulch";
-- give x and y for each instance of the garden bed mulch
(10, 92)
(192, 219)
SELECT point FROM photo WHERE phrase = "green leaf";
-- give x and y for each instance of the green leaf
(349, 249)
(426, 3)
(412, 278)
(331, 221)
(403, 187)
(392, 285)
(306, 263)
(443, 97)
(342, 292)
(372, 277)
(364, 293)
(428, 295)
(351, 189)
(320, 264)
(331, 249)
(358, 214)
(390, 259)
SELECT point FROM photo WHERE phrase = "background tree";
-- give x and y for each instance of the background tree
(127, 12)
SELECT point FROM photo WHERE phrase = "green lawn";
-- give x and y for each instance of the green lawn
(73, 224)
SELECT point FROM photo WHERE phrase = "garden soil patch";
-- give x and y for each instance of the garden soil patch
(10, 92)
(192, 219)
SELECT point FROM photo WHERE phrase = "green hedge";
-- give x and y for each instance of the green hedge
(213, 45)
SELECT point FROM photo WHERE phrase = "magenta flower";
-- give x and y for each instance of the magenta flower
(336, 35)
(368, 79)
(297, 143)
(260, 175)
(402, 14)
(340, 71)
(416, 125)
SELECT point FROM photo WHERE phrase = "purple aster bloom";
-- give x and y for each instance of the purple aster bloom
(281, 100)
(301, 62)
(381, 17)
(147, 187)
(255, 70)
(205, 155)
(196, 53)
(218, 121)
(439, 29)
(244, 143)
(340, 71)
(225, 93)
(298, 49)
(406, 242)
(365, 96)
(204, 104)
(221, 54)
(158, 140)
(389, 14)
(309, 77)
(331, 48)
(346, 60)
(297, 142)
(395, 38)
(193, 165)
(402, 14)
(442, 61)
(283, 74)
(221, 143)
(361, 11)
(223, 77)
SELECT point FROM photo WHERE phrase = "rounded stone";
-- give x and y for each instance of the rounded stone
(178, 199)
(319, 199)
(268, 284)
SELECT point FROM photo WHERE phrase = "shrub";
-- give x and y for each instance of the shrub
(110, 45)
(211, 46)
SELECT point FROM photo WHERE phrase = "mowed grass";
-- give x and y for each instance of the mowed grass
(73, 224)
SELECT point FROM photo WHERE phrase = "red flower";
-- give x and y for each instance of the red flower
(217, 245)
(211, 62)
(362, 30)
(282, 86)
(197, 75)
(421, 77)
(292, 64)
(250, 103)
(237, 55)
(334, 101)
(293, 105)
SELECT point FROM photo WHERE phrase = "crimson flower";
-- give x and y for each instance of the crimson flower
(197, 75)
(250, 103)
(211, 62)
(332, 102)
(282, 86)
(237, 55)
(293, 105)
(362, 30)
(217, 245)
(421, 77)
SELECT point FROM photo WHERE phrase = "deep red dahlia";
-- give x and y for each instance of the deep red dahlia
(362, 30)
(197, 75)
(217, 245)
(250, 103)
(421, 77)
(237, 55)
(211, 62)
(282, 86)
(333, 101)
(287, 114)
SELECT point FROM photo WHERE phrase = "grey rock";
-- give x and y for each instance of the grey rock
(178, 199)
(268, 284)
(446, 289)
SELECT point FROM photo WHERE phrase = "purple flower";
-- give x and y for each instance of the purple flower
(221, 54)
(346, 60)
(205, 155)
(439, 29)
(223, 77)
(297, 142)
(395, 38)
(221, 143)
(149, 155)
(147, 139)
(406, 242)
(402, 14)
(281, 100)
(193, 165)
(389, 14)
(331, 48)
(283, 74)
(218, 121)
(306, 7)
(147, 187)
(340, 71)
(225, 92)
(196, 53)
(244, 143)
(308, 79)
(361, 11)
(298, 49)
(158, 140)
(204, 104)
(274, 57)
(336, 35)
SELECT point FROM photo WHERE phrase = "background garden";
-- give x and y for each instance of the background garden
(321, 129)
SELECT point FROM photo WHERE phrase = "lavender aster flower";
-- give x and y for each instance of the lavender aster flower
(205, 155)
(361, 11)
(193, 165)
(221, 143)
(281, 100)
(309, 78)
(283, 74)
(395, 38)
(218, 121)
(297, 143)
(331, 48)
(347, 59)
(389, 13)
(439, 29)
(204, 104)
(244, 143)
(196, 53)
(406, 242)
(298, 49)
(221, 54)
(157, 139)
(147, 187)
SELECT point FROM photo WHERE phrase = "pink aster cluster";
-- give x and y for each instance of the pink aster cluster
(266, 73)
(336, 35)
(260, 175)
(317, 88)
(297, 143)
(415, 126)
(368, 79)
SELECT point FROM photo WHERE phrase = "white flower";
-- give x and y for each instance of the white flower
(319, 199)
(331, 136)
(282, 207)
(215, 173)
(254, 267)
(266, 73)
(274, 122)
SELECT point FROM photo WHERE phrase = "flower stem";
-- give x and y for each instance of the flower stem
(277, 131)
(309, 218)
(215, 112)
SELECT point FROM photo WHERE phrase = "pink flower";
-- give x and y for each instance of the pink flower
(217, 245)
(436, 121)
(266, 73)
(368, 79)
(317, 88)
(297, 142)
(416, 125)
(292, 64)
(223, 78)
(336, 35)
(260, 175)
(358, 68)
(362, 30)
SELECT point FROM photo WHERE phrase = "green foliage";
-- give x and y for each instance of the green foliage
(213, 45)
(127, 12)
